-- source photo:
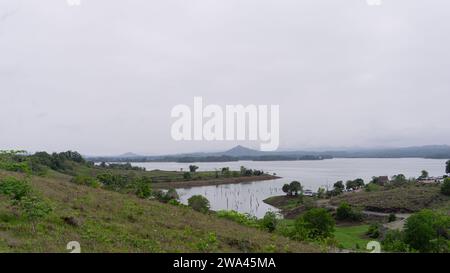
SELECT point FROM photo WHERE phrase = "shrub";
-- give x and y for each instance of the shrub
(374, 231)
(143, 190)
(394, 242)
(427, 231)
(241, 218)
(15, 188)
(371, 187)
(86, 180)
(187, 176)
(199, 203)
(445, 188)
(392, 217)
(346, 212)
(269, 221)
(315, 224)
(34, 208)
(166, 197)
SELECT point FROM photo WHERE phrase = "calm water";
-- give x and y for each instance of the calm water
(248, 197)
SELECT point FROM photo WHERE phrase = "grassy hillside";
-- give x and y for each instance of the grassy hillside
(107, 221)
(410, 198)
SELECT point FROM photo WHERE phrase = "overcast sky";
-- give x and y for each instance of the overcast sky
(102, 77)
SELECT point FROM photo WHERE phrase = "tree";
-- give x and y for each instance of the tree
(295, 188)
(445, 188)
(316, 223)
(339, 187)
(193, 168)
(427, 231)
(321, 193)
(424, 175)
(359, 182)
(447, 167)
(287, 189)
(199, 203)
(350, 185)
(399, 179)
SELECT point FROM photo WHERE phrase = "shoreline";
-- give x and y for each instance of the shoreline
(213, 182)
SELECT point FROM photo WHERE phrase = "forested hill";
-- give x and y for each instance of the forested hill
(242, 153)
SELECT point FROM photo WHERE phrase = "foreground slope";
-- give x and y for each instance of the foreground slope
(106, 221)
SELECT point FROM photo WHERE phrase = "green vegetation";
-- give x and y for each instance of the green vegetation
(23, 197)
(354, 184)
(193, 168)
(199, 203)
(315, 224)
(269, 222)
(48, 200)
(345, 212)
(447, 167)
(426, 231)
(352, 237)
(107, 221)
(293, 189)
(445, 188)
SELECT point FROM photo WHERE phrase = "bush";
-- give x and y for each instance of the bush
(199, 203)
(241, 218)
(269, 221)
(314, 224)
(374, 231)
(34, 208)
(427, 231)
(15, 188)
(187, 176)
(371, 187)
(86, 180)
(392, 217)
(143, 190)
(394, 242)
(166, 197)
(346, 212)
(445, 188)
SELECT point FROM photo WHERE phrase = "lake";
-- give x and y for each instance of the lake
(248, 197)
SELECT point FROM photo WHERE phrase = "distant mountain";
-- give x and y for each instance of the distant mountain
(244, 153)
(129, 155)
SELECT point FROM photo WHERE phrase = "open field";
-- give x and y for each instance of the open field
(107, 221)
(405, 199)
(352, 237)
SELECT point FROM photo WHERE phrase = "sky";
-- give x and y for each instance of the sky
(102, 77)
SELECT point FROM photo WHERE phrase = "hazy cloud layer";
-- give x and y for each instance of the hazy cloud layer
(103, 77)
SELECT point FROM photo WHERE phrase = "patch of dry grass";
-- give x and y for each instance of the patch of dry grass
(410, 198)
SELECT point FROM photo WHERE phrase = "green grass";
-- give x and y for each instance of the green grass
(109, 221)
(352, 237)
